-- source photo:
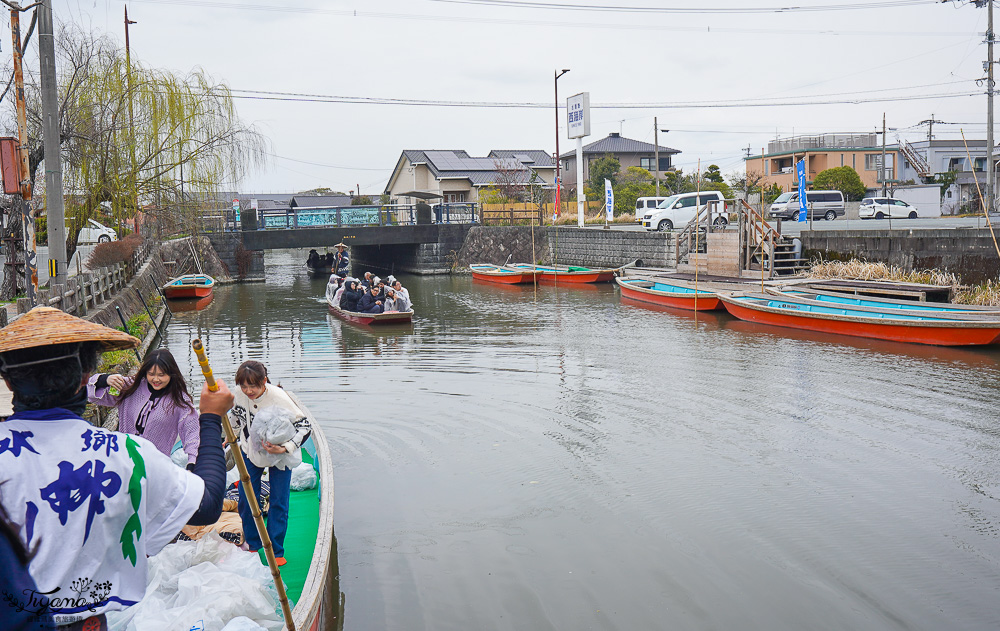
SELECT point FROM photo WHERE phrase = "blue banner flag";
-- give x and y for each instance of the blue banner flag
(800, 171)
(609, 198)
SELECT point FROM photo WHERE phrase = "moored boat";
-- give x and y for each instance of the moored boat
(567, 273)
(888, 305)
(189, 286)
(500, 274)
(936, 329)
(669, 294)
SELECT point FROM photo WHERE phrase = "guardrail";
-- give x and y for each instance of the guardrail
(228, 220)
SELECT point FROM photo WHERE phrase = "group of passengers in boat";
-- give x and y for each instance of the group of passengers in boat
(371, 294)
(338, 263)
(81, 502)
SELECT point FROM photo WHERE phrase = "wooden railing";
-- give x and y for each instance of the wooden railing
(512, 217)
(757, 238)
(86, 291)
(709, 217)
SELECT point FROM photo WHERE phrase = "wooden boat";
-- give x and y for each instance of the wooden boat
(566, 273)
(392, 317)
(321, 269)
(189, 286)
(310, 577)
(938, 330)
(311, 574)
(669, 294)
(500, 274)
(888, 305)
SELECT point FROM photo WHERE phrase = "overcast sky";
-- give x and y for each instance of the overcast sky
(910, 59)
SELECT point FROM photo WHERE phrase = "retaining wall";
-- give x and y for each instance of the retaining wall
(970, 254)
(592, 247)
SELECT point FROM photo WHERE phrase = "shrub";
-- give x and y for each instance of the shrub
(114, 252)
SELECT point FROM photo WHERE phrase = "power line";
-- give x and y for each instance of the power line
(479, 19)
(265, 95)
(523, 4)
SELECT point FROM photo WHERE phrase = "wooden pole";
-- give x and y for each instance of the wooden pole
(248, 490)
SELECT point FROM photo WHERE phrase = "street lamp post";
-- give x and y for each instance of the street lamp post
(558, 161)
(656, 141)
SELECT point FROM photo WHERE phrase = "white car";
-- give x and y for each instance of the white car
(96, 232)
(677, 210)
(882, 207)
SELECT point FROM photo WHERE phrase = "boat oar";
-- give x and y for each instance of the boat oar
(248, 490)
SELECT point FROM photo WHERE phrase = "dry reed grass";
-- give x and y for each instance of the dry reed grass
(857, 269)
(987, 294)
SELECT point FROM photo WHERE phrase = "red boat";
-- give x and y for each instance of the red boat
(189, 286)
(566, 274)
(915, 329)
(504, 275)
(670, 295)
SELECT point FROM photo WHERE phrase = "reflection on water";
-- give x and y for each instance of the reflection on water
(553, 458)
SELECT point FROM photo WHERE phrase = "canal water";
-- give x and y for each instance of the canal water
(558, 459)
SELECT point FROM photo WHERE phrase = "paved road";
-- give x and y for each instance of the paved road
(794, 227)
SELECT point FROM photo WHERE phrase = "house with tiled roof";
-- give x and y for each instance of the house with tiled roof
(455, 176)
(630, 153)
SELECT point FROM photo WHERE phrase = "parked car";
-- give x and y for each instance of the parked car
(822, 204)
(96, 232)
(645, 205)
(882, 207)
(678, 210)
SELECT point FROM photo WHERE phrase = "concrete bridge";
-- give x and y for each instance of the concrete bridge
(417, 249)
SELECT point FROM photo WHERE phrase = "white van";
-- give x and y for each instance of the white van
(822, 205)
(678, 210)
(645, 205)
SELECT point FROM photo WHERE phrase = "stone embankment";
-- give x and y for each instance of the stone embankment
(566, 246)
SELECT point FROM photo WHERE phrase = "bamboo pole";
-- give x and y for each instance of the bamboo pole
(248, 490)
(986, 211)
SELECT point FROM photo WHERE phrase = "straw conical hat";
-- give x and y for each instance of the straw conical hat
(43, 326)
(341, 245)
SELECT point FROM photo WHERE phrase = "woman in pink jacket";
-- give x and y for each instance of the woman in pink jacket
(154, 404)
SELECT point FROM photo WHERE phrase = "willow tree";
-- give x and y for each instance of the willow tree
(135, 137)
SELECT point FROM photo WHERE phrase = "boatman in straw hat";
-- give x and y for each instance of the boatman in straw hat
(90, 503)
(341, 261)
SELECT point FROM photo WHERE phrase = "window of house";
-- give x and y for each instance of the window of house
(873, 161)
(980, 164)
(650, 163)
(956, 164)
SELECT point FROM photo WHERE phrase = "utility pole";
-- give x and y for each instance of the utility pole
(990, 176)
(28, 217)
(558, 200)
(131, 118)
(656, 141)
(54, 205)
(882, 166)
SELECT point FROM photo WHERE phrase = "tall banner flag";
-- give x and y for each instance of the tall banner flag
(800, 170)
(609, 199)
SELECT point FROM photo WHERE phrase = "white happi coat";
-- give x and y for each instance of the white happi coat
(95, 502)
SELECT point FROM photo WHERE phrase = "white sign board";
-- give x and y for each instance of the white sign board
(578, 115)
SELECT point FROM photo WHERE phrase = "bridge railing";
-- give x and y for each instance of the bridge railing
(351, 216)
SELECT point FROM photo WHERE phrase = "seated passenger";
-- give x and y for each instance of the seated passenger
(371, 302)
(352, 294)
(313, 260)
(390, 301)
(402, 297)
(367, 282)
(340, 288)
(329, 259)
